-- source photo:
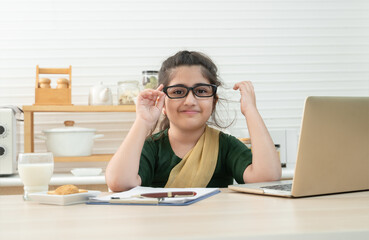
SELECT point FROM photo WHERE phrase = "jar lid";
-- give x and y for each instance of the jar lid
(150, 72)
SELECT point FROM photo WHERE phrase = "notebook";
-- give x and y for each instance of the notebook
(333, 150)
(130, 197)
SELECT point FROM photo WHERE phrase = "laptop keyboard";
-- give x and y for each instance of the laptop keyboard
(282, 187)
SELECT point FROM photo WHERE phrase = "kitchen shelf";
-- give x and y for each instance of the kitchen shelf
(80, 108)
(29, 126)
(92, 158)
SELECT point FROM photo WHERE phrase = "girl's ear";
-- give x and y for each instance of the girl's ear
(215, 101)
(163, 109)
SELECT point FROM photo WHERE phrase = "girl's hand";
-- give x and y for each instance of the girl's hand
(248, 99)
(149, 105)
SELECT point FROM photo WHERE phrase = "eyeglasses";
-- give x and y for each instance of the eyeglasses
(201, 90)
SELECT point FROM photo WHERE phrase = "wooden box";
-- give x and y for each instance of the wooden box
(62, 95)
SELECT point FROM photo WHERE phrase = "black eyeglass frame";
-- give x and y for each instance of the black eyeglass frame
(214, 88)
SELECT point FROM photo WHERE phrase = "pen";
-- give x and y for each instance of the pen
(163, 195)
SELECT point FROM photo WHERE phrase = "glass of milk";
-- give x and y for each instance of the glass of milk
(35, 170)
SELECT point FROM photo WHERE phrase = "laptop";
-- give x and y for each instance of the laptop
(333, 151)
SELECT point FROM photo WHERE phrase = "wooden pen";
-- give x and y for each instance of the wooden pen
(167, 194)
(163, 195)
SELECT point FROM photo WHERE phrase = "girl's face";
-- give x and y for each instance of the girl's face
(190, 112)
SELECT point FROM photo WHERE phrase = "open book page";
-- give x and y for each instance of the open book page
(200, 192)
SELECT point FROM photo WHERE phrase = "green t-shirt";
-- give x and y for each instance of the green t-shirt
(158, 159)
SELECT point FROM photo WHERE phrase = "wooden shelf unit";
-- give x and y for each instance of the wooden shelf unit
(29, 126)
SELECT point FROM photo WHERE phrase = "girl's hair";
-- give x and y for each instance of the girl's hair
(190, 58)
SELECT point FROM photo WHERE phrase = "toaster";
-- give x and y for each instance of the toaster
(8, 141)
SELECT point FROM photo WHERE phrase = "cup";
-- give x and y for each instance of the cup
(35, 171)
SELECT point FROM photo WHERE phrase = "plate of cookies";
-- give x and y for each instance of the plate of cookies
(63, 195)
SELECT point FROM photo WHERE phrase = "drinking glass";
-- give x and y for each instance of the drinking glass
(35, 171)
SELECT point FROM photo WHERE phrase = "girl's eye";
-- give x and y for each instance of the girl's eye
(202, 91)
(177, 92)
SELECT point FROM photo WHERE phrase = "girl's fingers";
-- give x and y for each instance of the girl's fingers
(160, 102)
(237, 86)
(150, 92)
(152, 95)
(246, 85)
(161, 86)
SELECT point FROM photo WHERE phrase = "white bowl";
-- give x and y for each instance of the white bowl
(86, 171)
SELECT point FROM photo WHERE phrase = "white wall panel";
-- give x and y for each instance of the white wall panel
(290, 49)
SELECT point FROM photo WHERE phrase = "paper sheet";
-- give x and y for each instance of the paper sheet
(200, 192)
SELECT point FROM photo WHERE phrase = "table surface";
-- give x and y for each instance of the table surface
(228, 215)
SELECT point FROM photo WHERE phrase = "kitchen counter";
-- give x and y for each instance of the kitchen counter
(287, 173)
(56, 179)
(13, 185)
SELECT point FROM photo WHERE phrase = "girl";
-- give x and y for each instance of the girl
(186, 152)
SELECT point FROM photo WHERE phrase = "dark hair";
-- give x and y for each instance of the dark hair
(190, 58)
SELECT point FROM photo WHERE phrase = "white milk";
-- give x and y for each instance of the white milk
(35, 176)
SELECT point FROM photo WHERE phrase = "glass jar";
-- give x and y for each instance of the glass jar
(127, 92)
(150, 79)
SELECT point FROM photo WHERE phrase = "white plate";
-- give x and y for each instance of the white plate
(86, 171)
(43, 197)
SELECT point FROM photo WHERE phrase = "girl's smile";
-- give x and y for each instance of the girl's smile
(190, 112)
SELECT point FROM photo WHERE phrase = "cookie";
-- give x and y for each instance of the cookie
(66, 189)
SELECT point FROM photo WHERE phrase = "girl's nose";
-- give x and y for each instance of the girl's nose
(190, 99)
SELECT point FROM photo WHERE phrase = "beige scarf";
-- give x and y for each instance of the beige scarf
(197, 166)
